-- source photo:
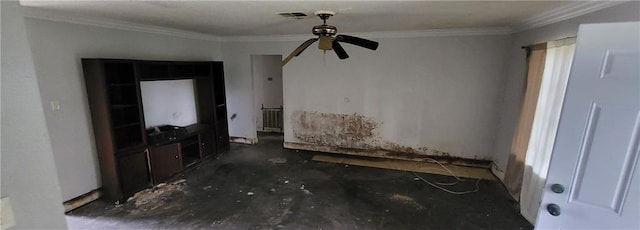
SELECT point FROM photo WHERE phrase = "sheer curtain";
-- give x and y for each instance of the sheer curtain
(545, 123)
(536, 55)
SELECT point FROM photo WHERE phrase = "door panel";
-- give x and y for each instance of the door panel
(134, 172)
(597, 183)
(206, 143)
(596, 152)
(165, 161)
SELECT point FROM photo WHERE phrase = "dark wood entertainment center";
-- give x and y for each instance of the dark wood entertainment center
(133, 158)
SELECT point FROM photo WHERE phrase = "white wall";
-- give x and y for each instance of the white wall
(169, 102)
(440, 93)
(27, 169)
(514, 87)
(57, 49)
(266, 92)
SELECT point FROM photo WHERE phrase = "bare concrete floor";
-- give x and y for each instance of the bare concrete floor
(267, 187)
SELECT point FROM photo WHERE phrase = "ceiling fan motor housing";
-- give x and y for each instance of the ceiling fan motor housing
(324, 30)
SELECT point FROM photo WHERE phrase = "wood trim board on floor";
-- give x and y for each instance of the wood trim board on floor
(412, 166)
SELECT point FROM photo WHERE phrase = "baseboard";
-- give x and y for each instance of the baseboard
(270, 130)
(244, 140)
(499, 173)
(82, 200)
(381, 153)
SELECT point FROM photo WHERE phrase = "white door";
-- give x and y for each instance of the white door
(593, 180)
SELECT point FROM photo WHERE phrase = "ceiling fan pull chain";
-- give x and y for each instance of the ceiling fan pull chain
(324, 58)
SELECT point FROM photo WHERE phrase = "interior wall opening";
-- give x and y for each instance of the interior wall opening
(267, 92)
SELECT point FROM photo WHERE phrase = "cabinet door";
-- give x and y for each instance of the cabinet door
(206, 143)
(133, 171)
(166, 161)
(222, 136)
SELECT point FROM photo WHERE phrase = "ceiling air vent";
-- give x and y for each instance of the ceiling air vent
(296, 15)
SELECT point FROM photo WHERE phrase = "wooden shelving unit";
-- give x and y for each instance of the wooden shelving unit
(128, 161)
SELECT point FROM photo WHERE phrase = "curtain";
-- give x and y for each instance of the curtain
(545, 124)
(536, 56)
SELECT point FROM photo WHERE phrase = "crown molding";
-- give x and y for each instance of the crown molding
(563, 13)
(549, 17)
(123, 25)
(383, 34)
(115, 24)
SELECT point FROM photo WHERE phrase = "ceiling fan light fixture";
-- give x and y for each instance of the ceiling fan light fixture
(326, 43)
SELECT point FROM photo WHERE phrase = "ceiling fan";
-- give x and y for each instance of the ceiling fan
(329, 40)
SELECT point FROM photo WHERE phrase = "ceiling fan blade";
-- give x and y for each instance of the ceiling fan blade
(358, 41)
(339, 50)
(304, 46)
(298, 50)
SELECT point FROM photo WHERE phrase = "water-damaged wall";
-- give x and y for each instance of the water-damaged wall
(339, 130)
(350, 134)
(436, 96)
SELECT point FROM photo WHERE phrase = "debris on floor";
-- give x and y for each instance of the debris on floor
(278, 160)
(154, 198)
(406, 200)
(306, 191)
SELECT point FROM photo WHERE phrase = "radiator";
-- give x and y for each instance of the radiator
(272, 119)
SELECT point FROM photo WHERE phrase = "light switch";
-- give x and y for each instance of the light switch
(6, 220)
(55, 105)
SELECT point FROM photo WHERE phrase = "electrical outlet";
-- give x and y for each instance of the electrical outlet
(6, 218)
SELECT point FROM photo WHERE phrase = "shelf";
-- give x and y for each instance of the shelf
(187, 143)
(125, 145)
(153, 70)
(124, 116)
(220, 105)
(126, 125)
(119, 72)
(190, 151)
(123, 106)
(121, 84)
(188, 161)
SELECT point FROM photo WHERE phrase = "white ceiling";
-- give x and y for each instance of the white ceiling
(247, 18)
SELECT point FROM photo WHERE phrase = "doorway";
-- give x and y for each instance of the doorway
(267, 94)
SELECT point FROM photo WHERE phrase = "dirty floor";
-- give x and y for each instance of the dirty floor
(264, 186)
